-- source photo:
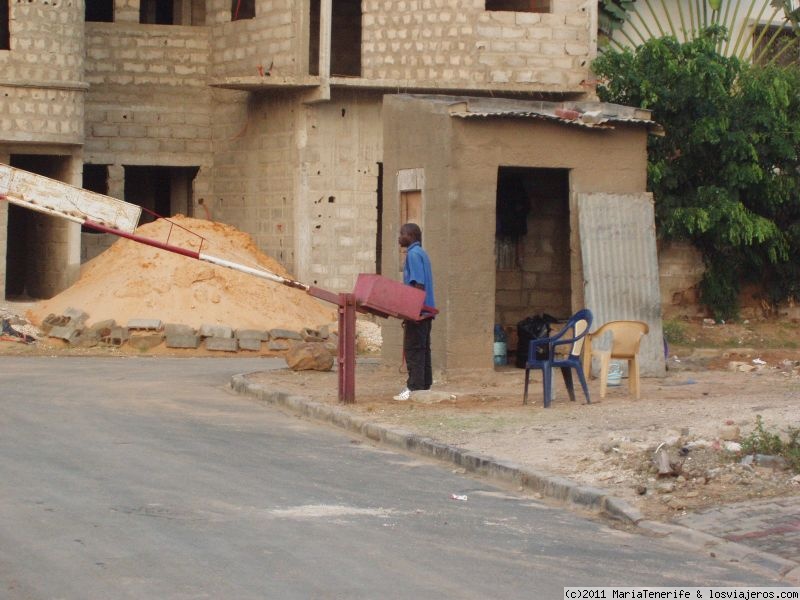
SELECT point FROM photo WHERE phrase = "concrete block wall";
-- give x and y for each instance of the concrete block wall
(462, 45)
(41, 75)
(148, 103)
(255, 168)
(277, 35)
(336, 205)
(680, 267)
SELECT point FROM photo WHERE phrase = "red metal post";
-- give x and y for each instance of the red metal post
(347, 348)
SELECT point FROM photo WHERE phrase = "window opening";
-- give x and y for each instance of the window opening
(243, 9)
(346, 38)
(101, 11)
(156, 12)
(5, 32)
(313, 37)
(532, 6)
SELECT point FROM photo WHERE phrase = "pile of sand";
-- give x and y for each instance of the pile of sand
(131, 281)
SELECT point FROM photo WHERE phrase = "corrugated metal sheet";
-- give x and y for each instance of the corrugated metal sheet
(620, 266)
(532, 115)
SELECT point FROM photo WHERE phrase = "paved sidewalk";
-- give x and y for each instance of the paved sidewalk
(771, 526)
(765, 535)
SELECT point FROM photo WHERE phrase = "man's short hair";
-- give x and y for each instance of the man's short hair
(413, 230)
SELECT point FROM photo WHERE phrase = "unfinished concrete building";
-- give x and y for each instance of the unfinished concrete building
(265, 114)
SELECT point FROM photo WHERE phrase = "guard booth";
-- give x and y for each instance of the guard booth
(526, 207)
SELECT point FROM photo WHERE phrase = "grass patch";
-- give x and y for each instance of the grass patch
(762, 441)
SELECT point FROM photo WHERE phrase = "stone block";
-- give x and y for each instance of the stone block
(145, 324)
(284, 334)
(252, 334)
(76, 315)
(216, 331)
(102, 328)
(309, 356)
(116, 337)
(69, 332)
(278, 345)
(145, 341)
(183, 341)
(175, 329)
(311, 335)
(252, 344)
(223, 344)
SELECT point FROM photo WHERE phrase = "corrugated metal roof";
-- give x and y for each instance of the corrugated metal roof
(594, 122)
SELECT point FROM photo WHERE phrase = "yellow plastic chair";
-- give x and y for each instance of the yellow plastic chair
(626, 337)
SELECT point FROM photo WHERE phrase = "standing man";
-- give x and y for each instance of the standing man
(417, 334)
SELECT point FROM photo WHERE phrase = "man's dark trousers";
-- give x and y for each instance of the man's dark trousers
(417, 348)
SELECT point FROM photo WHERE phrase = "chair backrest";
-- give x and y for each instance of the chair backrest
(627, 335)
(579, 325)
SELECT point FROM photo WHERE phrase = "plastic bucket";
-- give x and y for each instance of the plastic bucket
(614, 374)
(500, 352)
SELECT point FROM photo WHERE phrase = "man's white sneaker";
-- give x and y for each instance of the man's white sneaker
(404, 395)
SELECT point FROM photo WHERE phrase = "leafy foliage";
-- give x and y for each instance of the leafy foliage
(725, 174)
(761, 441)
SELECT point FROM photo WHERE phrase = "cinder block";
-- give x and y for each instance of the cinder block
(70, 332)
(117, 336)
(76, 315)
(311, 335)
(284, 334)
(225, 344)
(183, 341)
(252, 344)
(278, 345)
(145, 324)
(252, 334)
(174, 329)
(216, 331)
(102, 328)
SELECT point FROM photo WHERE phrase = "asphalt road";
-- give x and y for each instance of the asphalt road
(149, 479)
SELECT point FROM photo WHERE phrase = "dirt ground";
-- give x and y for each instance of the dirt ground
(694, 413)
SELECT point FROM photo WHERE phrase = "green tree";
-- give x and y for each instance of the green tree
(725, 174)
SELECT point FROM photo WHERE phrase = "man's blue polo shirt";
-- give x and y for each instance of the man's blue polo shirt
(418, 270)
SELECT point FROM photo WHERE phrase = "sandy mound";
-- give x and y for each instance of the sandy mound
(131, 280)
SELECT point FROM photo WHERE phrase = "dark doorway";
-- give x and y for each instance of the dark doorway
(160, 191)
(95, 179)
(346, 38)
(35, 249)
(5, 32)
(100, 11)
(532, 241)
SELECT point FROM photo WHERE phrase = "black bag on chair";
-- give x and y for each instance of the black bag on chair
(532, 328)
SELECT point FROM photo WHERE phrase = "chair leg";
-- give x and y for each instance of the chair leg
(604, 360)
(584, 386)
(527, 376)
(547, 375)
(566, 372)
(633, 375)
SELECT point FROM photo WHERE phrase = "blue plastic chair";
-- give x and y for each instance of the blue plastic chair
(576, 328)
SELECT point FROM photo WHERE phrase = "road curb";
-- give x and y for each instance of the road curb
(551, 486)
